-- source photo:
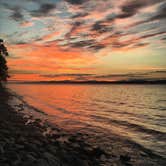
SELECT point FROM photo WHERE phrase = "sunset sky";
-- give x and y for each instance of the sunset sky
(84, 39)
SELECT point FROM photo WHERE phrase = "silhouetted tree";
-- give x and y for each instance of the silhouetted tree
(3, 66)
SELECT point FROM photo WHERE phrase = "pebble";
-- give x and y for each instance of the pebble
(1, 149)
(125, 158)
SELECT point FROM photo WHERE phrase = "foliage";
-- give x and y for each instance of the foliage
(3, 64)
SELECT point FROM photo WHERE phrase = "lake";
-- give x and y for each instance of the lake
(136, 113)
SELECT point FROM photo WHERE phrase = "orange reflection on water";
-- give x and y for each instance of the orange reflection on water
(61, 103)
(133, 111)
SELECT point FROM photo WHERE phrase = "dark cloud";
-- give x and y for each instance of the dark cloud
(152, 35)
(139, 76)
(119, 75)
(88, 44)
(82, 43)
(164, 38)
(161, 13)
(118, 44)
(79, 15)
(23, 71)
(101, 27)
(132, 7)
(135, 42)
(20, 42)
(66, 75)
(44, 9)
(76, 2)
(159, 71)
(17, 14)
(75, 25)
(16, 11)
(97, 46)
(132, 75)
(111, 17)
(140, 45)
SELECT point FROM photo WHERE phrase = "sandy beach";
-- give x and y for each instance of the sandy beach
(26, 140)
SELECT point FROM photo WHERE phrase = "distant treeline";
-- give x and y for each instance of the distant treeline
(96, 82)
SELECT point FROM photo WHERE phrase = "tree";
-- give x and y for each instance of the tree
(3, 64)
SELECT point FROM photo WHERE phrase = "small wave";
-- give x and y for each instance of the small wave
(66, 111)
(158, 108)
(148, 151)
(129, 125)
(19, 97)
(110, 101)
(116, 112)
(161, 100)
(162, 108)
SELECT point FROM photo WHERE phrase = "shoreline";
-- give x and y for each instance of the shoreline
(28, 140)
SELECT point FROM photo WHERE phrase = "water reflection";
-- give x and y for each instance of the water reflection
(131, 111)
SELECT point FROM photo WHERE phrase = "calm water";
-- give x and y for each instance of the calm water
(136, 112)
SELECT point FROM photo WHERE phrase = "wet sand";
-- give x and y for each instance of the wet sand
(26, 140)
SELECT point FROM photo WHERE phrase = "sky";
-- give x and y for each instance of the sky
(84, 39)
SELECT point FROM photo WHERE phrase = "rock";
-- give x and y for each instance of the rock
(12, 156)
(4, 164)
(143, 154)
(21, 140)
(38, 142)
(102, 157)
(4, 131)
(42, 162)
(31, 147)
(33, 154)
(21, 105)
(17, 162)
(30, 158)
(97, 152)
(18, 146)
(51, 159)
(48, 155)
(73, 160)
(84, 163)
(125, 158)
(53, 162)
(52, 149)
(1, 149)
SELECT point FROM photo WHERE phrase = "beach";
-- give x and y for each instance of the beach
(27, 140)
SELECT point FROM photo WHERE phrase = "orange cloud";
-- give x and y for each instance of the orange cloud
(42, 59)
(51, 35)
(27, 24)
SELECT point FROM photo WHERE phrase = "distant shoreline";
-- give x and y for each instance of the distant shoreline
(92, 82)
